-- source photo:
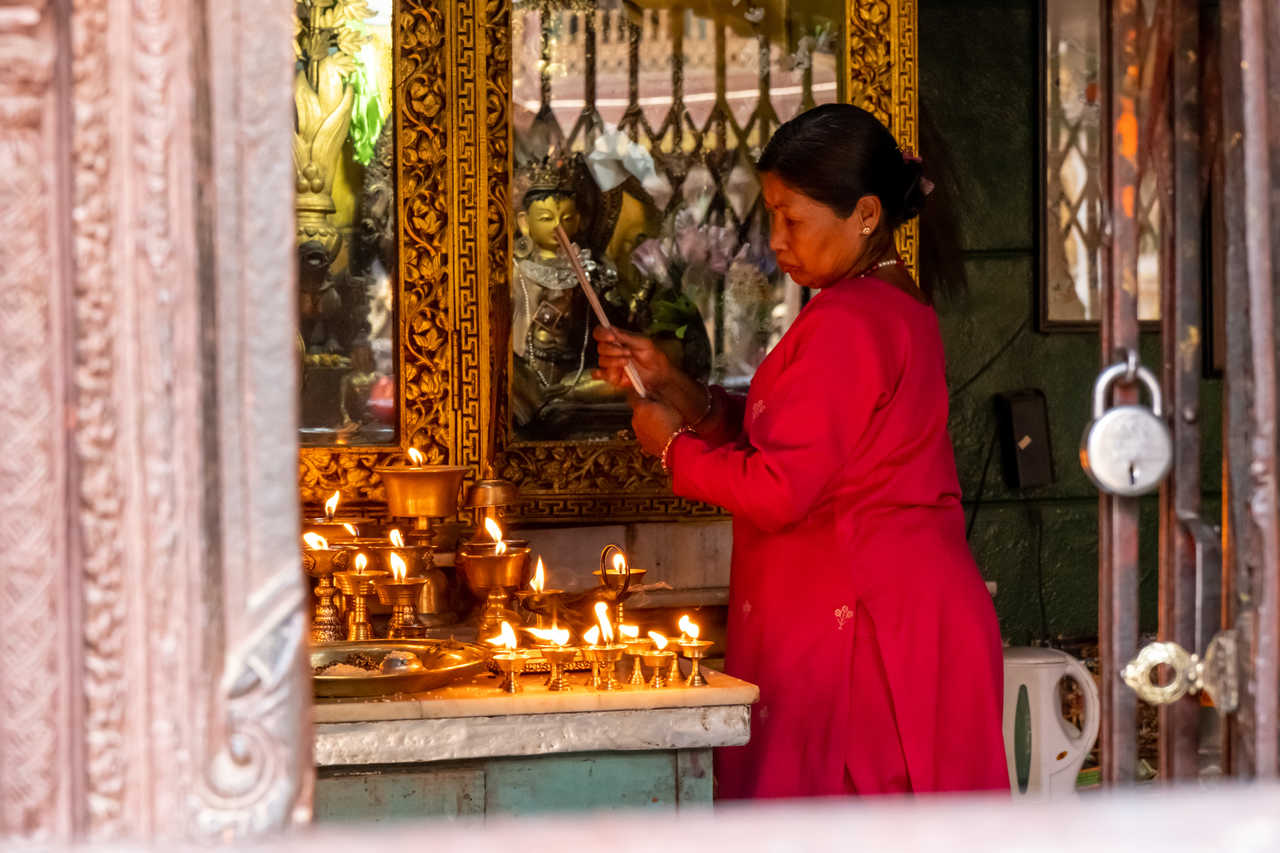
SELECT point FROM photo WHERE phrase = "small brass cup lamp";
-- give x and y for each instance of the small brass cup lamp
(357, 585)
(321, 561)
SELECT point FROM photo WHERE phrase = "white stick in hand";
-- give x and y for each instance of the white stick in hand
(572, 251)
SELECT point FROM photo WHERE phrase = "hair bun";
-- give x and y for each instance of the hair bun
(917, 187)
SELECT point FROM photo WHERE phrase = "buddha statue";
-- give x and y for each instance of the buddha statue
(551, 319)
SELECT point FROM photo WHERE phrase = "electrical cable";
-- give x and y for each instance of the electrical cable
(982, 484)
(991, 361)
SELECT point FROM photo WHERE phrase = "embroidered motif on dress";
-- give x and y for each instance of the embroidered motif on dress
(757, 410)
(843, 614)
(746, 608)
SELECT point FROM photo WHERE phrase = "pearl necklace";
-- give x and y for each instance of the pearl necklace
(890, 262)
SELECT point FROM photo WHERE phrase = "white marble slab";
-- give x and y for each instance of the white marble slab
(423, 740)
(480, 697)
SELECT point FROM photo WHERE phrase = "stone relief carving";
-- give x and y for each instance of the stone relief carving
(145, 473)
(35, 605)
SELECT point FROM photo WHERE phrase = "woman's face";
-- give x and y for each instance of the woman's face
(814, 245)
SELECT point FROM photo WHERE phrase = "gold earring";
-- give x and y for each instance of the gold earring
(866, 229)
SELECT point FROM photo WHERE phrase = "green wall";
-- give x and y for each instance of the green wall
(978, 85)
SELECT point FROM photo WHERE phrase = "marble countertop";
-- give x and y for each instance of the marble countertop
(474, 719)
(479, 696)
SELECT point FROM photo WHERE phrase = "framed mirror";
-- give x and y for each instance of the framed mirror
(344, 157)
(634, 126)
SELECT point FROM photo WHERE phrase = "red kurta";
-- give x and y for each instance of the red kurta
(854, 602)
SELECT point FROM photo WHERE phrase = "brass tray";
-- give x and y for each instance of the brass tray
(445, 661)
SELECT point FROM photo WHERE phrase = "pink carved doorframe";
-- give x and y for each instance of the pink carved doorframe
(151, 609)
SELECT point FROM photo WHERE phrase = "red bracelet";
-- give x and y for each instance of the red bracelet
(666, 449)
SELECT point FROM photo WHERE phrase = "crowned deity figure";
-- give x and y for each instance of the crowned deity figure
(551, 318)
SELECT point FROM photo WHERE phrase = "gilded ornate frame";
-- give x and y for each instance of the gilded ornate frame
(453, 84)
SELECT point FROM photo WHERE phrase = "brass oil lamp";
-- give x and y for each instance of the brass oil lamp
(424, 493)
(694, 649)
(334, 527)
(553, 649)
(510, 661)
(357, 585)
(401, 593)
(320, 561)
(603, 652)
(659, 657)
(493, 571)
(617, 578)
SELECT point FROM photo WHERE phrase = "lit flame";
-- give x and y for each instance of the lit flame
(506, 639)
(415, 456)
(361, 562)
(396, 538)
(658, 640)
(351, 528)
(602, 616)
(398, 568)
(555, 636)
(592, 636)
(539, 581)
(315, 541)
(629, 632)
(620, 563)
(688, 628)
(495, 533)
(331, 505)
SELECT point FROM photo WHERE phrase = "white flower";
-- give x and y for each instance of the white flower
(614, 158)
(755, 14)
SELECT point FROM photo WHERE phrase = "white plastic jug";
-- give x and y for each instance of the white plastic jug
(1043, 750)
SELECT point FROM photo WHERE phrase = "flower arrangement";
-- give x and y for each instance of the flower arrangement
(711, 284)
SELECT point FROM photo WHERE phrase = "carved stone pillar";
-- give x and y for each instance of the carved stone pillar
(152, 681)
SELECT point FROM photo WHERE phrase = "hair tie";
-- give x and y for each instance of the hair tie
(909, 156)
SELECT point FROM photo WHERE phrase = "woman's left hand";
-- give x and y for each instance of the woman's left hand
(653, 422)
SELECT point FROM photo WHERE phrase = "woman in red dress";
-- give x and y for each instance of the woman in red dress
(854, 601)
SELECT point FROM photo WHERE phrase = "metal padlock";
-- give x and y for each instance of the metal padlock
(1127, 450)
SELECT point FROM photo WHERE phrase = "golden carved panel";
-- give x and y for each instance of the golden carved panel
(453, 89)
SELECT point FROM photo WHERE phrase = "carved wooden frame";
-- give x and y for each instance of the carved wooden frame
(453, 84)
(153, 634)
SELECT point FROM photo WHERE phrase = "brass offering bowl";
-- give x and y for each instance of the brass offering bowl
(321, 563)
(402, 596)
(443, 661)
(658, 659)
(357, 587)
(616, 586)
(510, 663)
(695, 651)
(433, 597)
(604, 660)
(335, 530)
(421, 492)
(493, 577)
(558, 658)
(635, 650)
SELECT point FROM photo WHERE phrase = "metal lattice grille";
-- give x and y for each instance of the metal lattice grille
(1073, 182)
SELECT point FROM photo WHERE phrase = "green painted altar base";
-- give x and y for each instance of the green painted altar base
(470, 750)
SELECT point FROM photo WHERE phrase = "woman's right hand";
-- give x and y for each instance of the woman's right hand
(617, 347)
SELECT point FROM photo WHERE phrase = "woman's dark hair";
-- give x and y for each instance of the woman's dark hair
(838, 153)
